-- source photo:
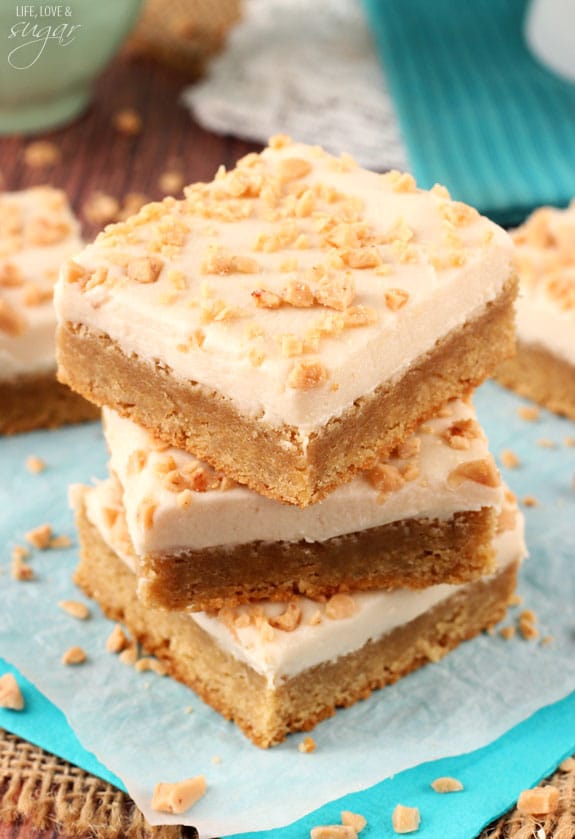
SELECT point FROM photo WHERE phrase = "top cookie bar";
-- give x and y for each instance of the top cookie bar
(290, 320)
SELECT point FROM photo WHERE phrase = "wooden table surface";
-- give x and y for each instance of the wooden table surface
(96, 157)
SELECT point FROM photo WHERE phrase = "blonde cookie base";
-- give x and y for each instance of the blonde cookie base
(267, 714)
(541, 376)
(272, 461)
(28, 403)
(412, 553)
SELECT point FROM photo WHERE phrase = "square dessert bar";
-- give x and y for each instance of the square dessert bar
(544, 367)
(37, 234)
(276, 668)
(424, 516)
(290, 321)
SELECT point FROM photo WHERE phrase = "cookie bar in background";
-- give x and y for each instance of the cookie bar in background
(544, 367)
(291, 321)
(276, 668)
(37, 234)
(425, 516)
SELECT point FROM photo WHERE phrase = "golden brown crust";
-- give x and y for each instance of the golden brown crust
(272, 461)
(266, 714)
(413, 553)
(541, 376)
(31, 402)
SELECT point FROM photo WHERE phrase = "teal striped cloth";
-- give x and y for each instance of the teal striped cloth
(478, 113)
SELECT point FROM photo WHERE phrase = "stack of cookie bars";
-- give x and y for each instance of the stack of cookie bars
(301, 505)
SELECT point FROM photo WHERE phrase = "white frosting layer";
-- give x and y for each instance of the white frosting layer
(277, 654)
(37, 234)
(239, 515)
(546, 265)
(449, 270)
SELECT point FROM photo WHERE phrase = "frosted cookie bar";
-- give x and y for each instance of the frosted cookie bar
(275, 668)
(37, 234)
(544, 368)
(424, 516)
(290, 320)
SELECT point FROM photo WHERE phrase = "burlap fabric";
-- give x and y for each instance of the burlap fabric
(183, 33)
(48, 793)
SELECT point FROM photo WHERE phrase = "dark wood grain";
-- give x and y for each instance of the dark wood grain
(96, 157)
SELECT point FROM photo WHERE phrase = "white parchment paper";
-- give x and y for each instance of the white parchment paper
(137, 723)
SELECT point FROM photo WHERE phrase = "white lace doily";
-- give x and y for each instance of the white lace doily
(307, 68)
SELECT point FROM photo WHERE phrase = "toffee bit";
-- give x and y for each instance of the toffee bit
(298, 294)
(307, 745)
(35, 465)
(527, 625)
(127, 121)
(395, 298)
(446, 784)
(145, 269)
(340, 606)
(117, 640)
(333, 831)
(75, 608)
(60, 542)
(355, 820)
(480, 471)
(10, 693)
(129, 656)
(179, 797)
(306, 375)
(100, 208)
(149, 664)
(21, 571)
(405, 819)
(41, 153)
(40, 536)
(527, 413)
(509, 459)
(293, 168)
(266, 299)
(539, 801)
(289, 620)
(74, 656)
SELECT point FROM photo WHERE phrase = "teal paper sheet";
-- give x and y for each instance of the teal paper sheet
(478, 113)
(491, 776)
(136, 724)
(44, 725)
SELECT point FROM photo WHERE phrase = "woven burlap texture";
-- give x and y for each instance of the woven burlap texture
(50, 793)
